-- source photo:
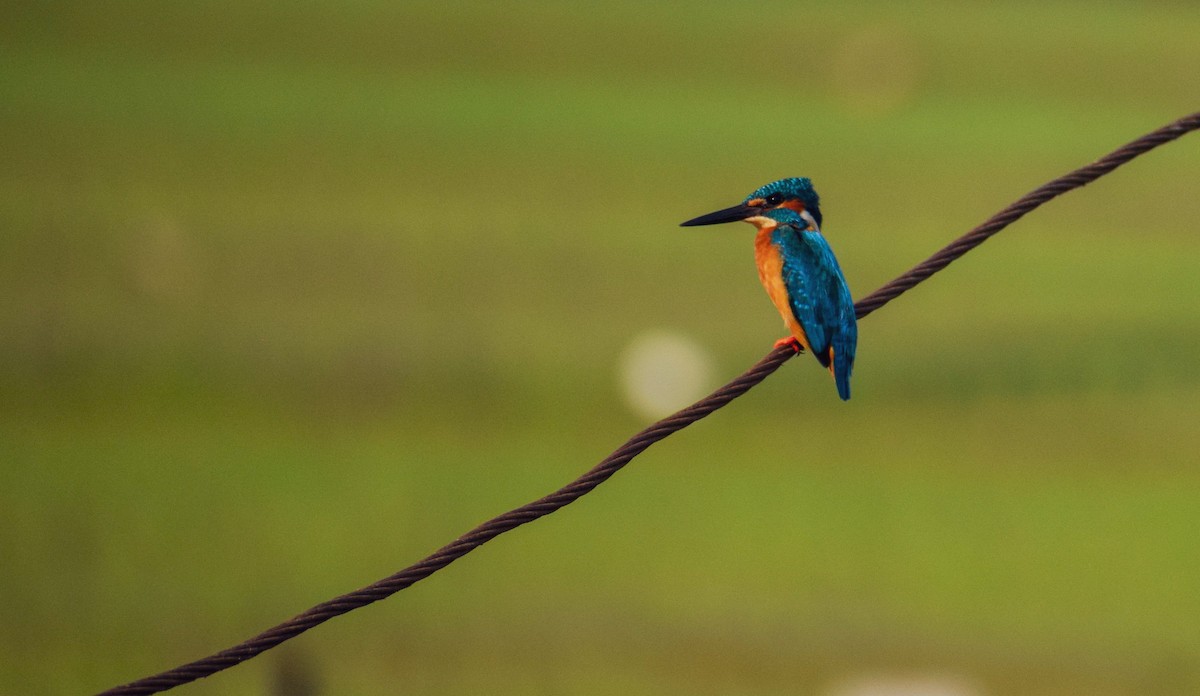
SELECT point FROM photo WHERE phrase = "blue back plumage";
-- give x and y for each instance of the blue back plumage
(817, 292)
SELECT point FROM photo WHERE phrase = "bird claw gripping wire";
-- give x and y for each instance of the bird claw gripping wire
(790, 342)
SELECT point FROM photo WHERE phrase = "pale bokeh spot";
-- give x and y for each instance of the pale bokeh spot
(663, 371)
(935, 684)
(162, 259)
(875, 70)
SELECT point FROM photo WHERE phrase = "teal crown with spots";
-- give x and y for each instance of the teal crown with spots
(796, 187)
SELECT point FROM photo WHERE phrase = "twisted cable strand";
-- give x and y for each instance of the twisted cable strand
(1028, 202)
(641, 441)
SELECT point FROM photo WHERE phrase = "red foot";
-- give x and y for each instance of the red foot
(791, 342)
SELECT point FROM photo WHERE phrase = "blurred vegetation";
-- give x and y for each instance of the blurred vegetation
(293, 293)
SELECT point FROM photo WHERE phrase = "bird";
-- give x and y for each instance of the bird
(799, 272)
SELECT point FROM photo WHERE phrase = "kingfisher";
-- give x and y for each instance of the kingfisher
(799, 272)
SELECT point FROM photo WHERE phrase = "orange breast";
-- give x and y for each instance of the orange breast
(770, 274)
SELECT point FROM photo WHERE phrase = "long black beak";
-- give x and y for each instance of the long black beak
(737, 212)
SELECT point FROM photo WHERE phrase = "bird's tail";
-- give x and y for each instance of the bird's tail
(841, 364)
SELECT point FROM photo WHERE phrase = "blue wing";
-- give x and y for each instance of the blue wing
(820, 300)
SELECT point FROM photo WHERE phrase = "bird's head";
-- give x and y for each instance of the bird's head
(792, 200)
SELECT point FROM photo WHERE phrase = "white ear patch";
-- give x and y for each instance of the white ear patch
(812, 224)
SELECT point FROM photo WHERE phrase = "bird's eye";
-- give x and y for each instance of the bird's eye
(775, 199)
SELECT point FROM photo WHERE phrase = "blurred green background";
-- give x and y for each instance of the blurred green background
(292, 294)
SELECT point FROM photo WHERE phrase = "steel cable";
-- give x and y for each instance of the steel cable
(638, 443)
